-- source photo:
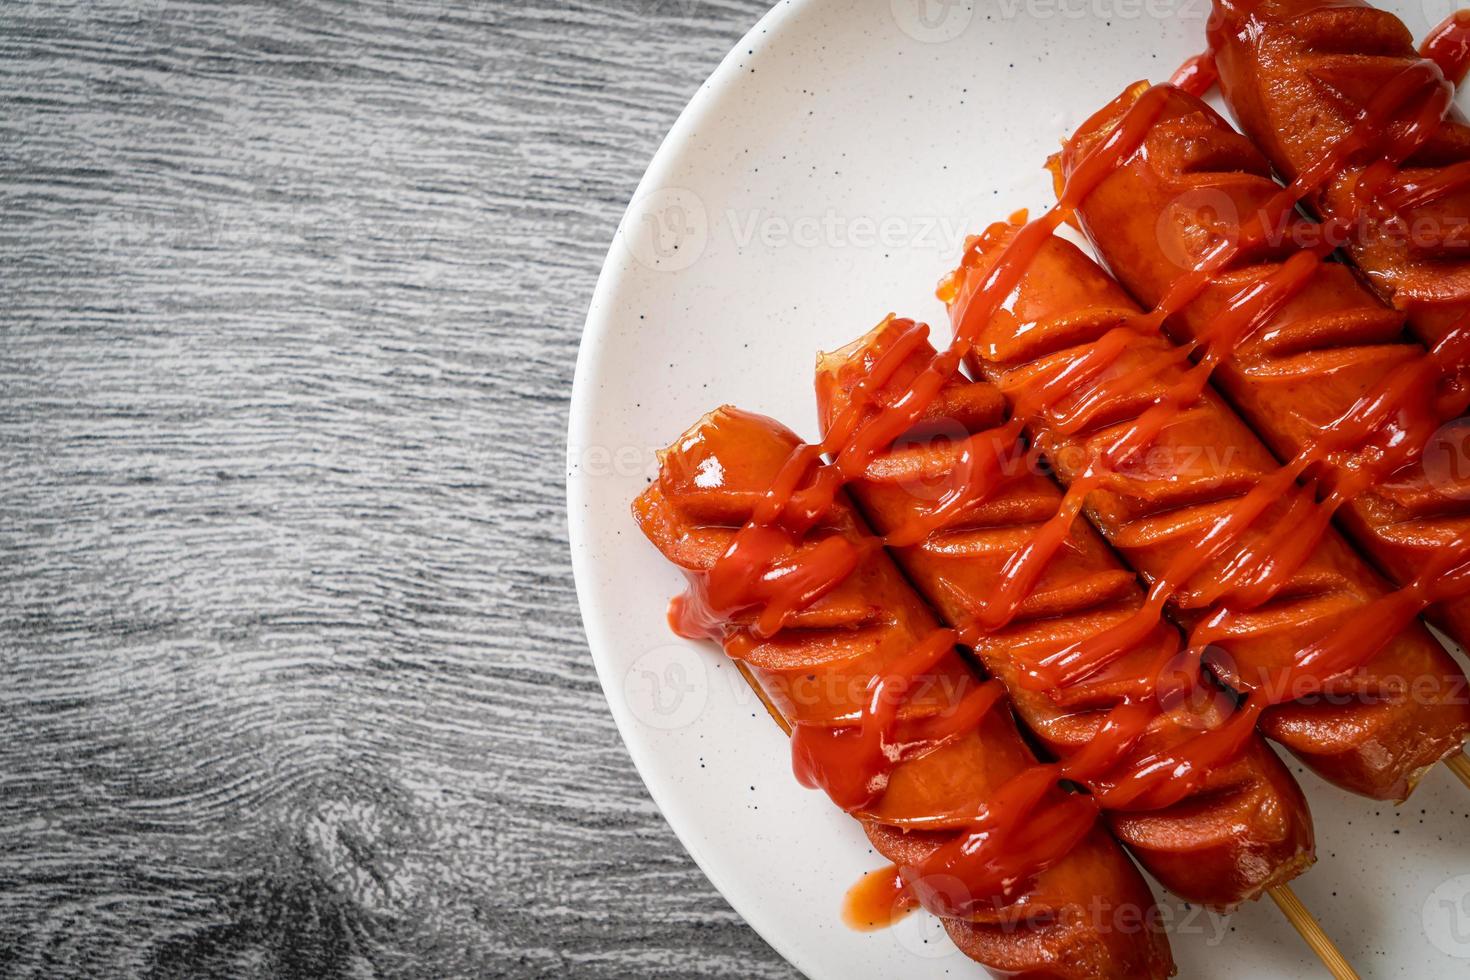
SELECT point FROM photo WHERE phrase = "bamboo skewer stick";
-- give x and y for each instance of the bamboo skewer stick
(1460, 766)
(1302, 920)
(1296, 913)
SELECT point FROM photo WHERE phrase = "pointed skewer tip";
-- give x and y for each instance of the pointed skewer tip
(1302, 920)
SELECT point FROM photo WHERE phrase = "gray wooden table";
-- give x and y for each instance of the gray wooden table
(294, 682)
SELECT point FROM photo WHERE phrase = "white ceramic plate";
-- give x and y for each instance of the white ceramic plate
(825, 175)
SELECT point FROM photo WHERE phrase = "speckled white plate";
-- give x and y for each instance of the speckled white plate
(827, 174)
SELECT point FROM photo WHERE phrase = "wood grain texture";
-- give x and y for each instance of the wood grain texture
(295, 683)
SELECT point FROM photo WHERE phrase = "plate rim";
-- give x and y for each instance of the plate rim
(595, 330)
(599, 619)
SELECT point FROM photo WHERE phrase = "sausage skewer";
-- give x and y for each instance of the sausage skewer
(1279, 588)
(1041, 904)
(1294, 343)
(1339, 101)
(1242, 828)
(1229, 840)
(749, 570)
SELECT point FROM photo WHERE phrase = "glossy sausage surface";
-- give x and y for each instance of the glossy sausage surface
(1247, 828)
(1299, 75)
(1312, 358)
(811, 672)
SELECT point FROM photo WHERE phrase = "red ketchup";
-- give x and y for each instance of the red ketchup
(1197, 75)
(1448, 46)
(767, 573)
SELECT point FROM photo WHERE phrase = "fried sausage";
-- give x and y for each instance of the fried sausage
(1246, 828)
(1303, 363)
(1300, 75)
(811, 671)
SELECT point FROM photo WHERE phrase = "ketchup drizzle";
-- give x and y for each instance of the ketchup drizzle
(1197, 75)
(771, 569)
(1448, 46)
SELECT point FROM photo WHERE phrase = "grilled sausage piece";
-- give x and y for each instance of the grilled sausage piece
(1064, 923)
(1198, 466)
(1246, 828)
(1154, 218)
(1299, 74)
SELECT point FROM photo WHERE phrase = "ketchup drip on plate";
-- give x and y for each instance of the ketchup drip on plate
(776, 566)
(878, 900)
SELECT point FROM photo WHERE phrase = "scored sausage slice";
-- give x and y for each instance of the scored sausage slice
(1304, 81)
(1241, 832)
(1192, 182)
(1087, 915)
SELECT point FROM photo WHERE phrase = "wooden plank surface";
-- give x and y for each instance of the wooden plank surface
(294, 680)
